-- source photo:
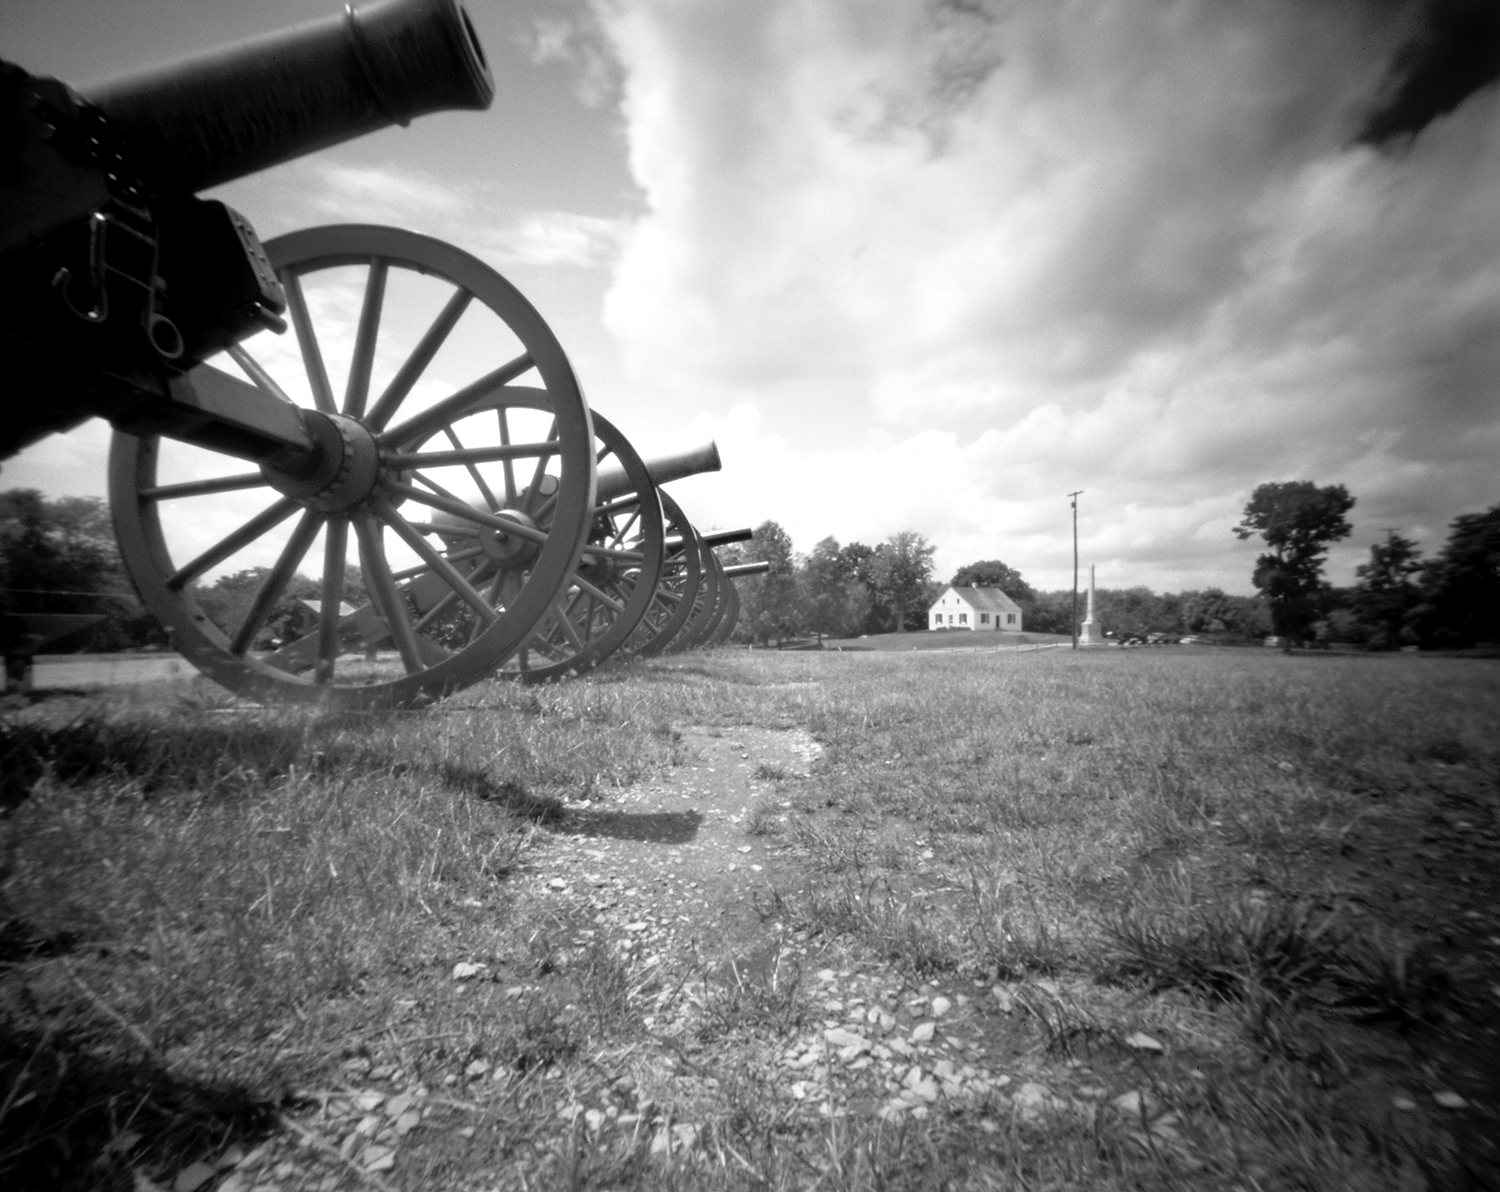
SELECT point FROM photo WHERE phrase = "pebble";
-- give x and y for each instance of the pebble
(1449, 1100)
(1142, 1042)
(466, 970)
(923, 1032)
(940, 1006)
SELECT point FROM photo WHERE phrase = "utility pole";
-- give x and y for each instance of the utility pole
(1075, 497)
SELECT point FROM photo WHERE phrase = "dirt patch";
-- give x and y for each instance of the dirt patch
(678, 864)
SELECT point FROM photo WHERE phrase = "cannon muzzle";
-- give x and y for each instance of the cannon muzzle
(208, 119)
(747, 569)
(613, 482)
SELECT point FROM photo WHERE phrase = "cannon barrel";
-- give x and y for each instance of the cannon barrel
(208, 119)
(612, 481)
(738, 569)
(725, 537)
(719, 537)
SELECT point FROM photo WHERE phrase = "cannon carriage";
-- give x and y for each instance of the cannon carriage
(497, 524)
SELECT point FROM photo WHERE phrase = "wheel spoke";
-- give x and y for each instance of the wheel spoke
(357, 391)
(256, 373)
(420, 426)
(618, 505)
(630, 522)
(455, 557)
(331, 598)
(597, 594)
(533, 490)
(444, 602)
(469, 456)
(509, 589)
(270, 591)
(445, 570)
(610, 552)
(203, 488)
(450, 504)
(490, 597)
(389, 599)
(415, 364)
(266, 520)
(484, 489)
(307, 341)
(565, 623)
(423, 478)
(510, 470)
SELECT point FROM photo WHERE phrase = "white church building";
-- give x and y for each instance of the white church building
(974, 608)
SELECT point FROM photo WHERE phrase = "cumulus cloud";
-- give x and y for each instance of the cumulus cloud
(1147, 250)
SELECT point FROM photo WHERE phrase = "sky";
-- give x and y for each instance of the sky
(935, 265)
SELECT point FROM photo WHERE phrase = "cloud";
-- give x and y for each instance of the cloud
(578, 43)
(463, 213)
(560, 238)
(1136, 249)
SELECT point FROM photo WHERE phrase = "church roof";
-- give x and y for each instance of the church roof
(990, 600)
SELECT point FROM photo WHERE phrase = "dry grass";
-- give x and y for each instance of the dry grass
(206, 907)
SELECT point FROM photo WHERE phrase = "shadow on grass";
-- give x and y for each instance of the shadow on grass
(227, 758)
(73, 1118)
(663, 827)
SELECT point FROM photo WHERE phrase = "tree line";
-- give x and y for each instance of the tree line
(60, 555)
(1451, 600)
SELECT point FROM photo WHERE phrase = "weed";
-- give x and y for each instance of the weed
(1382, 974)
(764, 820)
(764, 997)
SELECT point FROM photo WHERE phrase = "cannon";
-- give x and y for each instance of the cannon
(496, 523)
(732, 616)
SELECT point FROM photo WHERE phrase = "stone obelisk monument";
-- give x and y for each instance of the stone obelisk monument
(1089, 633)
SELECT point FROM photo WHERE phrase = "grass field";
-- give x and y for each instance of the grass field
(1099, 920)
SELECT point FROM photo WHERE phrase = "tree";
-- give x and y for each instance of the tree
(1461, 587)
(1297, 520)
(770, 605)
(992, 573)
(901, 570)
(824, 581)
(59, 556)
(1386, 593)
(864, 611)
(228, 599)
(1209, 611)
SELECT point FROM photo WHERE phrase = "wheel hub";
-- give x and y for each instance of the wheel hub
(342, 470)
(509, 550)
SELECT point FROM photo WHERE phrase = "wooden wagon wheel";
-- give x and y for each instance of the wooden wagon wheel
(603, 601)
(722, 595)
(731, 615)
(453, 335)
(676, 588)
(711, 579)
